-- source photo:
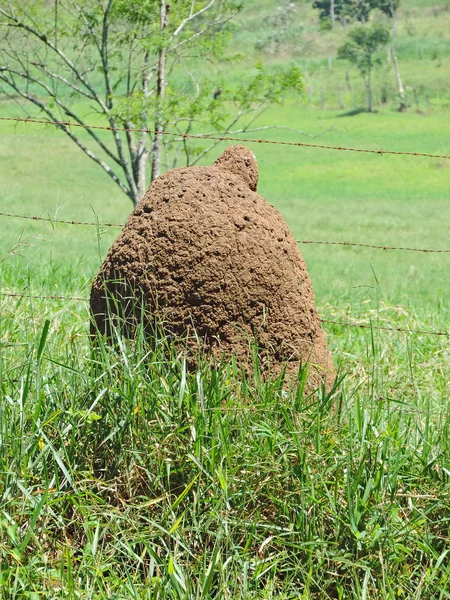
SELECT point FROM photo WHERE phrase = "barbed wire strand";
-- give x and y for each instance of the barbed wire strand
(200, 136)
(323, 242)
(340, 323)
(383, 247)
(37, 297)
(50, 220)
(383, 328)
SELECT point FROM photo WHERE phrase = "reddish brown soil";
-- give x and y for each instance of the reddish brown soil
(208, 255)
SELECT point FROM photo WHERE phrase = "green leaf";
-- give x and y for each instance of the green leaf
(43, 339)
(184, 493)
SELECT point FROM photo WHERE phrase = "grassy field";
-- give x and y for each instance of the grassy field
(423, 50)
(324, 195)
(122, 476)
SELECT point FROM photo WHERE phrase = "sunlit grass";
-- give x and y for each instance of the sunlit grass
(122, 475)
(125, 475)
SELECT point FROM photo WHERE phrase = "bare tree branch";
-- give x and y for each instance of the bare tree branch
(64, 108)
(43, 38)
(55, 76)
(217, 142)
(192, 16)
(102, 47)
(218, 20)
(136, 56)
(66, 130)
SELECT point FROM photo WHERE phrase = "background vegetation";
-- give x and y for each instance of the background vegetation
(125, 477)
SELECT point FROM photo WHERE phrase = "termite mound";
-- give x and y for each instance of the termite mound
(210, 260)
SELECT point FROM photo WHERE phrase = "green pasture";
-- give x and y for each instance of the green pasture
(123, 476)
(323, 194)
(422, 47)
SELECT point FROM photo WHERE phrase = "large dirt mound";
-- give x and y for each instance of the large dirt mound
(208, 255)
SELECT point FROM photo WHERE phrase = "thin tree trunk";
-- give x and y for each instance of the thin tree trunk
(160, 87)
(332, 15)
(401, 91)
(141, 183)
(139, 150)
(369, 91)
(139, 159)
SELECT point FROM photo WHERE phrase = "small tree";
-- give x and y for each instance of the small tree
(279, 22)
(360, 49)
(137, 64)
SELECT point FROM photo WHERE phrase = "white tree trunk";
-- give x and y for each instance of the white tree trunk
(141, 179)
(156, 150)
(401, 90)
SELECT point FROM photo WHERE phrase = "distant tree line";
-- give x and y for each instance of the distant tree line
(346, 11)
(363, 42)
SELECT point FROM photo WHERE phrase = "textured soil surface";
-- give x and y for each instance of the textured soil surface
(209, 256)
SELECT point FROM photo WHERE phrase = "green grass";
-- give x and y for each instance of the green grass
(126, 477)
(123, 476)
(324, 195)
(423, 50)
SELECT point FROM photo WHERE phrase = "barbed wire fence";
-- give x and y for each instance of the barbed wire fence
(219, 138)
(371, 326)
(331, 321)
(323, 242)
